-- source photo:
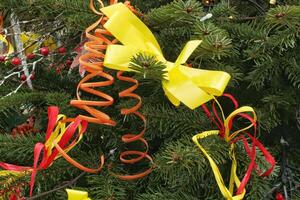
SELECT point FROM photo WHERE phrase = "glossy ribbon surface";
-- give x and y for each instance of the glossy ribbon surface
(225, 131)
(77, 195)
(192, 87)
(60, 139)
(92, 62)
(130, 137)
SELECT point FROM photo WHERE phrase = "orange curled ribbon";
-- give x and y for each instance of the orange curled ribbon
(92, 62)
(129, 138)
(58, 143)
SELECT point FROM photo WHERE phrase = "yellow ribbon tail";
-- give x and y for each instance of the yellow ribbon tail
(187, 51)
(77, 195)
(227, 193)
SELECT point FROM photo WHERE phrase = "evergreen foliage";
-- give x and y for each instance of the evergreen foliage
(258, 45)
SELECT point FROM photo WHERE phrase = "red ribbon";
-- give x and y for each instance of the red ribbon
(251, 152)
(41, 148)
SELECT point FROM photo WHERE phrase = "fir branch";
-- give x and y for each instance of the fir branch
(68, 184)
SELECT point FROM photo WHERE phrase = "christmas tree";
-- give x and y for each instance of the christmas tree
(48, 48)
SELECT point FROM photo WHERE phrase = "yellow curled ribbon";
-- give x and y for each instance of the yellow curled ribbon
(192, 87)
(234, 179)
(5, 48)
(77, 195)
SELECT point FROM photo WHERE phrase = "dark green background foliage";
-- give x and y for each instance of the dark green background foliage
(258, 44)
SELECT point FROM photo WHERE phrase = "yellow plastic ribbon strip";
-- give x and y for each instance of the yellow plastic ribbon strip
(77, 195)
(7, 47)
(234, 180)
(192, 87)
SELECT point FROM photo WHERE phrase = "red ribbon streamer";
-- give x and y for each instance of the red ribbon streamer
(215, 118)
(50, 155)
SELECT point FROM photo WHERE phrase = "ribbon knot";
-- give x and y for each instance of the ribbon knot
(225, 131)
(192, 87)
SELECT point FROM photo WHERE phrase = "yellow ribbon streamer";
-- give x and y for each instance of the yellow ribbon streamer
(7, 47)
(192, 87)
(58, 133)
(234, 180)
(77, 195)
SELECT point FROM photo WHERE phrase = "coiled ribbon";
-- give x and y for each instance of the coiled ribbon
(129, 138)
(60, 139)
(92, 63)
(225, 131)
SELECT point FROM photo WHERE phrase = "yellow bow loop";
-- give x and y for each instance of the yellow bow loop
(77, 195)
(228, 193)
(57, 135)
(192, 87)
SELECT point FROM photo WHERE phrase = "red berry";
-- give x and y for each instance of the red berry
(16, 61)
(44, 51)
(61, 50)
(69, 62)
(31, 56)
(32, 77)
(2, 58)
(23, 77)
(58, 70)
(279, 196)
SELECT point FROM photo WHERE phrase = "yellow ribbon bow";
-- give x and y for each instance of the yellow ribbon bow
(77, 195)
(192, 87)
(234, 179)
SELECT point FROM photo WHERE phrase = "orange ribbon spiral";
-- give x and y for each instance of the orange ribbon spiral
(92, 62)
(129, 138)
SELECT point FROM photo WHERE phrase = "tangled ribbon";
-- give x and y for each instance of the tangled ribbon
(225, 129)
(60, 139)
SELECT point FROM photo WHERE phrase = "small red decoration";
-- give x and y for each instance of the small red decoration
(23, 77)
(25, 128)
(69, 62)
(31, 56)
(44, 51)
(279, 196)
(16, 61)
(32, 77)
(2, 58)
(61, 50)
(58, 70)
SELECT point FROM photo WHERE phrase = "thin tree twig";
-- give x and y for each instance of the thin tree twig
(69, 183)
